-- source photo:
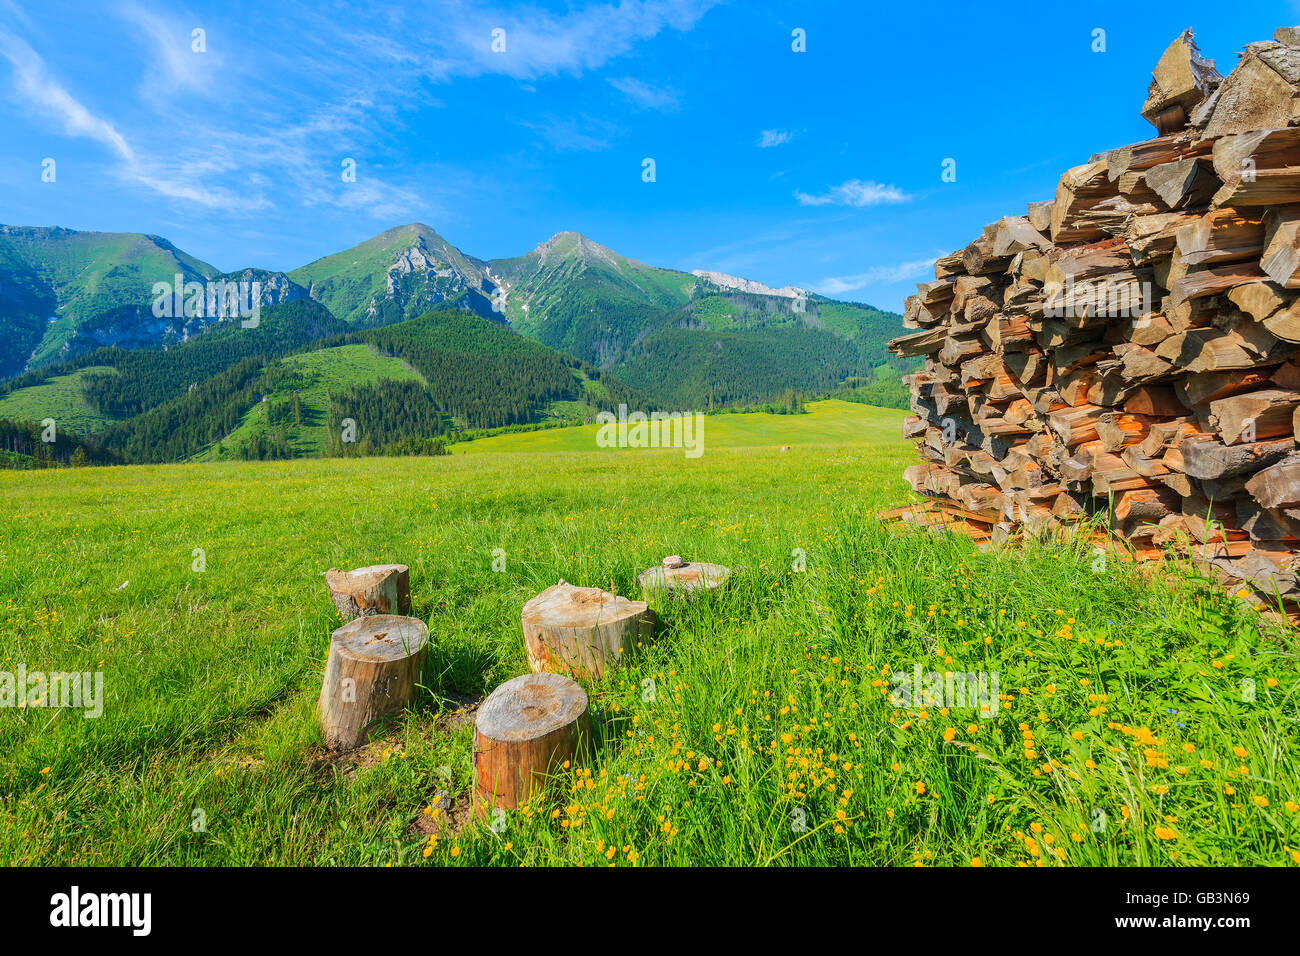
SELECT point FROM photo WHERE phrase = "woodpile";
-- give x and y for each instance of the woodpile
(1130, 349)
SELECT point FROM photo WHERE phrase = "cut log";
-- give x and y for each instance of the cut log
(1154, 400)
(1245, 153)
(1259, 299)
(373, 669)
(377, 589)
(1199, 389)
(1079, 189)
(1017, 234)
(1222, 236)
(1213, 280)
(1254, 416)
(524, 733)
(1040, 215)
(583, 632)
(1268, 187)
(684, 581)
(1181, 81)
(1281, 257)
(1184, 183)
(1277, 486)
(1256, 95)
(1285, 323)
(1212, 459)
(1146, 505)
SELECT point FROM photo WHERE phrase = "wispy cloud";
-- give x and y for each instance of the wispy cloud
(287, 114)
(774, 137)
(536, 43)
(173, 64)
(854, 192)
(40, 89)
(644, 94)
(878, 275)
(168, 173)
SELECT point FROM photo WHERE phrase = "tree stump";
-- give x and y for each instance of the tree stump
(688, 580)
(378, 589)
(582, 632)
(524, 731)
(374, 664)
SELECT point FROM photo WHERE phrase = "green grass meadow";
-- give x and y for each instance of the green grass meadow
(829, 423)
(60, 398)
(1142, 718)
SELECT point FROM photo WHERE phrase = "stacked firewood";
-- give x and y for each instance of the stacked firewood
(1131, 348)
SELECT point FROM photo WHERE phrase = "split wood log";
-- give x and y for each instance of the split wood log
(1181, 81)
(583, 632)
(687, 580)
(1260, 299)
(1281, 257)
(1277, 486)
(373, 668)
(377, 589)
(1256, 95)
(1254, 416)
(524, 732)
(1184, 183)
(1211, 459)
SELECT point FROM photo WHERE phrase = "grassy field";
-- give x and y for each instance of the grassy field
(827, 423)
(1138, 720)
(60, 398)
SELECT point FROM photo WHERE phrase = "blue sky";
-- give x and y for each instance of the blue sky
(819, 168)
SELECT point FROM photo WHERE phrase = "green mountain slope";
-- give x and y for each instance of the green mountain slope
(405, 387)
(62, 398)
(685, 340)
(83, 275)
(64, 293)
(398, 274)
(288, 387)
(577, 295)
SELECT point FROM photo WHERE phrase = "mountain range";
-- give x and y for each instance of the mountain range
(77, 312)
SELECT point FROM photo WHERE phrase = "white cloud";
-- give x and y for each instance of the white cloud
(286, 114)
(539, 43)
(854, 192)
(644, 95)
(169, 176)
(879, 275)
(774, 137)
(35, 83)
